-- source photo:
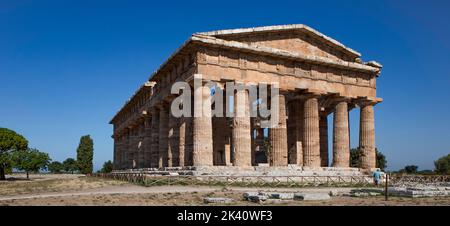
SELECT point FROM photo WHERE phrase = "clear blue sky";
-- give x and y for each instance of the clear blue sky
(66, 67)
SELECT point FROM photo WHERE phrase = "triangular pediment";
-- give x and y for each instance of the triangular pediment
(293, 38)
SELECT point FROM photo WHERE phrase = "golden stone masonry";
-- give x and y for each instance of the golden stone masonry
(317, 76)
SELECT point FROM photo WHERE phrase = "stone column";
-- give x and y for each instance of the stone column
(182, 143)
(299, 108)
(154, 161)
(147, 142)
(141, 144)
(163, 136)
(341, 136)
(323, 130)
(121, 151)
(135, 140)
(116, 152)
(311, 135)
(131, 162)
(278, 135)
(227, 137)
(259, 143)
(123, 162)
(202, 128)
(252, 137)
(292, 134)
(367, 137)
(174, 140)
(241, 129)
(189, 142)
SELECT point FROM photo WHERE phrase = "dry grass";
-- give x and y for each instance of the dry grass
(64, 185)
(52, 184)
(196, 198)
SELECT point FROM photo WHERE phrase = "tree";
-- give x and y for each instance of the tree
(85, 154)
(10, 142)
(107, 167)
(411, 169)
(55, 167)
(70, 165)
(381, 160)
(442, 165)
(30, 160)
(355, 154)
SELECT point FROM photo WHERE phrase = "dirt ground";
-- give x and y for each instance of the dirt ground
(75, 190)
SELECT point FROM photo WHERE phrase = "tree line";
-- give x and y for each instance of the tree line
(15, 154)
(441, 166)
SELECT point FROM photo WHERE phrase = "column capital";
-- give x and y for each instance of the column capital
(368, 101)
(311, 93)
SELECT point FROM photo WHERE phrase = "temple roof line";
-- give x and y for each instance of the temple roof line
(281, 53)
(209, 38)
(301, 27)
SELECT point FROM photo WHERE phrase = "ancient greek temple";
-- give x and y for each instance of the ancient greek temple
(317, 76)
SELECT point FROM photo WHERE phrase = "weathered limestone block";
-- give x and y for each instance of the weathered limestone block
(278, 136)
(259, 197)
(246, 195)
(241, 129)
(311, 136)
(202, 128)
(283, 196)
(217, 200)
(341, 136)
(311, 196)
(367, 137)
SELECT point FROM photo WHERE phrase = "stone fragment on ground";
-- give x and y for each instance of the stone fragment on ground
(283, 196)
(258, 198)
(217, 200)
(334, 193)
(419, 191)
(311, 196)
(250, 193)
(365, 192)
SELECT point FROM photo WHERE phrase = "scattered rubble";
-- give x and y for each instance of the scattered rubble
(217, 200)
(365, 192)
(283, 196)
(311, 196)
(416, 189)
(280, 196)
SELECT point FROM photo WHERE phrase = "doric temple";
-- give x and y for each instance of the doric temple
(317, 76)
